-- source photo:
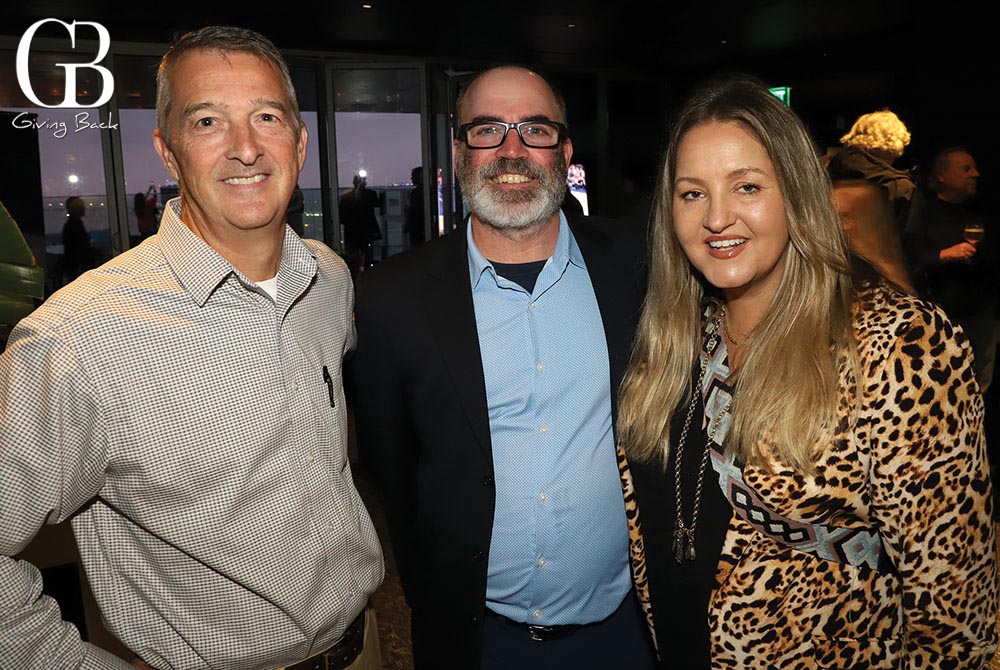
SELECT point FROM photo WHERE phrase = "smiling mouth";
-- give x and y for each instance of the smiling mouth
(509, 178)
(726, 244)
(243, 181)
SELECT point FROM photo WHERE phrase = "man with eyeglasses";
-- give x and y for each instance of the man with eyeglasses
(486, 373)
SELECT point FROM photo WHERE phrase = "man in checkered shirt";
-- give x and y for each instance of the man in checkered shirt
(182, 406)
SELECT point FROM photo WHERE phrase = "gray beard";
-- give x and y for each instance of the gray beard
(518, 211)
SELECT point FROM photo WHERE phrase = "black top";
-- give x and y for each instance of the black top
(522, 274)
(78, 255)
(961, 288)
(357, 215)
(415, 215)
(680, 593)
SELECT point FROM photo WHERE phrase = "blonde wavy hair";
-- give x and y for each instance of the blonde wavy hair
(880, 132)
(785, 403)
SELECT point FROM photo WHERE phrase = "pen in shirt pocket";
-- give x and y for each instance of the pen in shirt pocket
(329, 385)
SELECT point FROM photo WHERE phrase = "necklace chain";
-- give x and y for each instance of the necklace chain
(729, 331)
(684, 534)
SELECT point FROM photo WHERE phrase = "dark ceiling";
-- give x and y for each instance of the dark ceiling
(586, 33)
(842, 58)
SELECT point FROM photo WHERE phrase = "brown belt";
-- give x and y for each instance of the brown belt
(340, 655)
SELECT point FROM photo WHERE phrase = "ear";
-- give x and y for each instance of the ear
(166, 155)
(567, 149)
(303, 141)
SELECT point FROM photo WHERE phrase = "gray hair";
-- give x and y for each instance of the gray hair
(224, 40)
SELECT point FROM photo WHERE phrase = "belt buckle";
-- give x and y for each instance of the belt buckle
(538, 633)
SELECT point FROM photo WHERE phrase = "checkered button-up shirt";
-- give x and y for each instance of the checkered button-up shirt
(195, 432)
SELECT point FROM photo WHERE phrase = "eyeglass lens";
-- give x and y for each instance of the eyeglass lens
(534, 134)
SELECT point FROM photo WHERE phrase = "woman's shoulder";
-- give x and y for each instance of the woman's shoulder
(884, 313)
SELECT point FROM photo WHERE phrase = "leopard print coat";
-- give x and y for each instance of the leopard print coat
(914, 466)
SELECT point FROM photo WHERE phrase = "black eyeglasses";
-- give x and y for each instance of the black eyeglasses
(492, 134)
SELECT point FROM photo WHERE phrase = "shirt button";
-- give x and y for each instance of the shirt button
(536, 614)
(541, 562)
(542, 497)
(309, 459)
(488, 480)
(478, 555)
(543, 430)
(539, 367)
(531, 305)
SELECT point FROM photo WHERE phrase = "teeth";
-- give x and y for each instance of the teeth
(246, 180)
(511, 179)
(726, 244)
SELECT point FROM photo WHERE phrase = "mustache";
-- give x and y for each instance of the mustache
(520, 166)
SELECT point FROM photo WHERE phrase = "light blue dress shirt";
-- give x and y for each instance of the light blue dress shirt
(559, 553)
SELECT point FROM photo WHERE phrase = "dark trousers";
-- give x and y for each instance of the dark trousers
(620, 641)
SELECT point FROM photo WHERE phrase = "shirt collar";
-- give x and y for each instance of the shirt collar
(566, 251)
(200, 268)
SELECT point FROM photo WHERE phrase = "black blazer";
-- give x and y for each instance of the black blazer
(423, 424)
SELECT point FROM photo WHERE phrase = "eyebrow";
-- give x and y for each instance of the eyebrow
(733, 174)
(192, 109)
(497, 119)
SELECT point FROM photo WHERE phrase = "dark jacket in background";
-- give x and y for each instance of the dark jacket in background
(78, 250)
(900, 185)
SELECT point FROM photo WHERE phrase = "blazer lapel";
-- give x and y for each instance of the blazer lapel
(452, 315)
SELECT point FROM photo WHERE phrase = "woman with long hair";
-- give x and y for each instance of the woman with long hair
(801, 443)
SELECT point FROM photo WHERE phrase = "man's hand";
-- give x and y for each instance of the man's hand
(962, 251)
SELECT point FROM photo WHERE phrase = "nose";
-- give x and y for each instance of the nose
(244, 143)
(719, 215)
(512, 146)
